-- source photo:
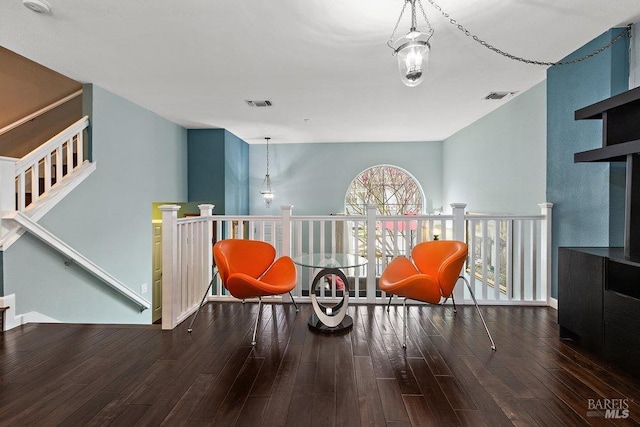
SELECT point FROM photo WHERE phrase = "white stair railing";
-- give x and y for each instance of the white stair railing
(53, 161)
(187, 259)
(37, 182)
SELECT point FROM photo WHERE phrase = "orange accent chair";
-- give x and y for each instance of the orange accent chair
(429, 276)
(249, 269)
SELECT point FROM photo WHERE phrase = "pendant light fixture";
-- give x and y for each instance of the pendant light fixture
(412, 49)
(267, 189)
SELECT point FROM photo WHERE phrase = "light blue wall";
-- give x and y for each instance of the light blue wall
(314, 177)
(497, 164)
(141, 158)
(588, 198)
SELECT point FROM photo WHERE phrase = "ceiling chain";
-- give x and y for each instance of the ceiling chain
(626, 32)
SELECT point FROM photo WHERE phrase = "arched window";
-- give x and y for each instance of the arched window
(391, 188)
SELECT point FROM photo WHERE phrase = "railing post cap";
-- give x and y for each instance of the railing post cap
(206, 206)
(545, 205)
(458, 205)
(286, 207)
(169, 208)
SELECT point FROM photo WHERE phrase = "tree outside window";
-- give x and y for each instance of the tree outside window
(394, 192)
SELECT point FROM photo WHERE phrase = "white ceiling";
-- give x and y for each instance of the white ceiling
(323, 63)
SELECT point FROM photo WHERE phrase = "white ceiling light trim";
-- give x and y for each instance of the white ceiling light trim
(38, 6)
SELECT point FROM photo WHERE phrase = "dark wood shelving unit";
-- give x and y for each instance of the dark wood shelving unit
(599, 288)
(620, 117)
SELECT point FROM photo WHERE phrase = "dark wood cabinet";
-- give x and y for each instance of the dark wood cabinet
(599, 303)
(580, 297)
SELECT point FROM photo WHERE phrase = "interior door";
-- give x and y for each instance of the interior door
(156, 291)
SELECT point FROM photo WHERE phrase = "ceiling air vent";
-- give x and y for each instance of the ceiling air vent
(264, 103)
(499, 95)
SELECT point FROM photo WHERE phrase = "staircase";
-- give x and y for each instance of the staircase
(30, 187)
(38, 181)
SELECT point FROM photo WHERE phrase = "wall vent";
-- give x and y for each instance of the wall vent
(499, 95)
(254, 103)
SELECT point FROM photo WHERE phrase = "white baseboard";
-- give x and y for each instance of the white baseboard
(11, 320)
(35, 317)
(10, 314)
(553, 303)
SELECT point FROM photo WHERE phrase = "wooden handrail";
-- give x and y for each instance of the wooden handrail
(39, 112)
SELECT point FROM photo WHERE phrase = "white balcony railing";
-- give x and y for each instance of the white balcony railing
(508, 262)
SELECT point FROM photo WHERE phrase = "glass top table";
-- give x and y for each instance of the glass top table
(329, 260)
(330, 318)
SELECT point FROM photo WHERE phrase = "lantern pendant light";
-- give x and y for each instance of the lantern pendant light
(412, 49)
(267, 189)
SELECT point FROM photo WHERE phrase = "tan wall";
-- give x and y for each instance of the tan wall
(27, 87)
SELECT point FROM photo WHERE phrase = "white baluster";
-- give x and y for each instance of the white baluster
(206, 210)
(35, 183)
(69, 156)
(22, 191)
(371, 253)
(59, 165)
(80, 148)
(7, 189)
(458, 234)
(545, 247)
(287, 211)
(47, 173)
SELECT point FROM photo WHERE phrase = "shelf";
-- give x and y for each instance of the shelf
(612, 153)
(629, 99)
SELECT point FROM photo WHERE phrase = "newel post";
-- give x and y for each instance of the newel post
(286, 229)
(206, 210)
(171, 289)
(459, 234)
(7, 189)
(545, 245)
(371, 253)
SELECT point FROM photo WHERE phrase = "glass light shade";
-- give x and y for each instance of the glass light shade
(268, 197)
(267, 191)
(413, 58)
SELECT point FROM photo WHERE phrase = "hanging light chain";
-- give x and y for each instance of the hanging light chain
(390, 42)
(626, 32)
(413, 21)
(268, 156)
(424, 15)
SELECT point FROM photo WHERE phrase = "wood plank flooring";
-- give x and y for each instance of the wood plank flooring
(59, 374)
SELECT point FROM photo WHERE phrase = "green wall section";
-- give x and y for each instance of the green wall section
(497, 164)
(141, 158)
(588, 198)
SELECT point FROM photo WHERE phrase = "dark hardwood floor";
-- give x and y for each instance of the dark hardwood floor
(61, 374)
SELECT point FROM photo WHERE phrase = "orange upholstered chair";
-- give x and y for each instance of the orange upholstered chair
(249, 269)
(429, 276)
